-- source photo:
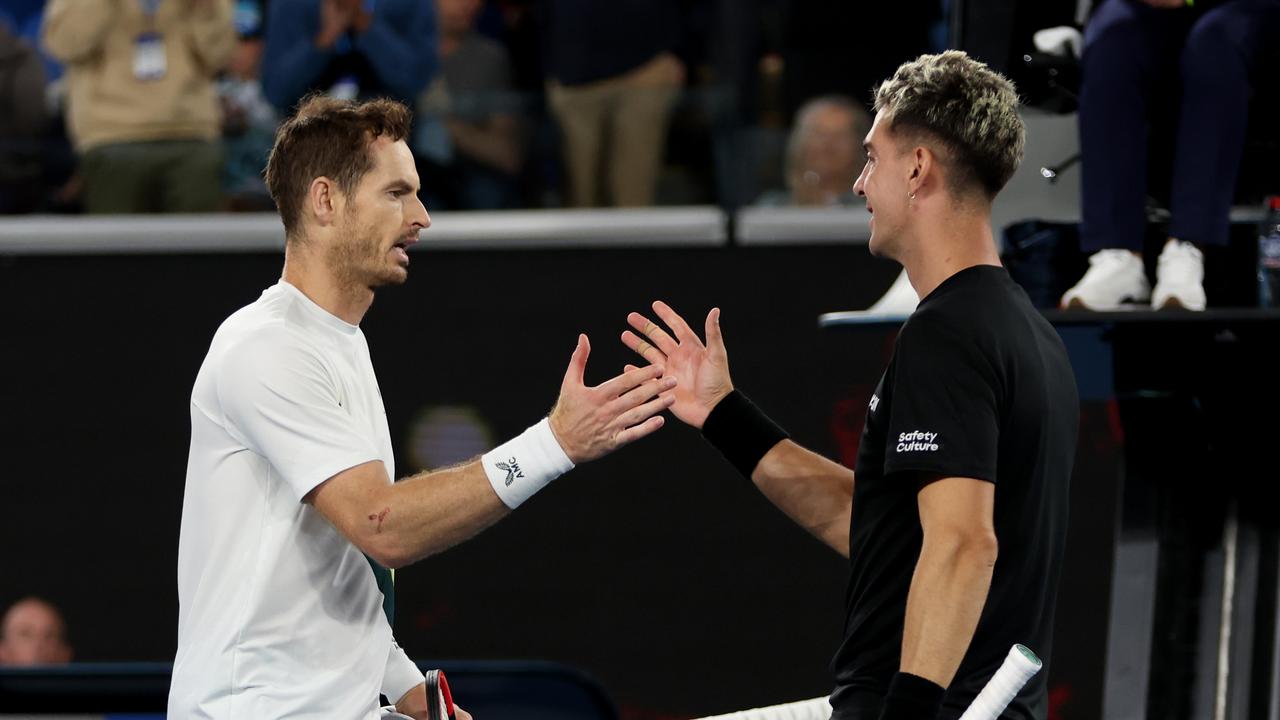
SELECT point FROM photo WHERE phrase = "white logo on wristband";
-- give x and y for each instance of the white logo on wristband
(525, 464)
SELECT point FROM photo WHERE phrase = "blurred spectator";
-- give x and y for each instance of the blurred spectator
(613, 80)
(33, 633)
(248, 120)
(22, 123)
(748, 127)
(141, 103)
(23, 18)
(349, 48)
(468, 130)
(57, 188)
(1132, 48)
(824, 154)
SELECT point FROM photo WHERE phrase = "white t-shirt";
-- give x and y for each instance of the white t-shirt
(279, 614)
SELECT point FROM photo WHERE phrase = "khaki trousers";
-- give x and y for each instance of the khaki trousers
(615, 132)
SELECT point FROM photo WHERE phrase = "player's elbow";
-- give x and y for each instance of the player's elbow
(386, 550)
(384, 540)
(981, 548)
(976, 546)
(394, 560)
(379, 533)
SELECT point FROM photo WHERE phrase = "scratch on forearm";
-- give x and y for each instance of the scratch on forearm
(379, 517)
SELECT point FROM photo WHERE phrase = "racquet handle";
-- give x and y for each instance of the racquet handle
(1014, 672)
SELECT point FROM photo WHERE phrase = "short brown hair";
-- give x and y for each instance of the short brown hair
(967, 107)
(330, 138)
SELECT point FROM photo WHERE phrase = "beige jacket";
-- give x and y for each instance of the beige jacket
(106, 103)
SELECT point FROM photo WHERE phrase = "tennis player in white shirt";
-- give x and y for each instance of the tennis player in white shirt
(289, 480)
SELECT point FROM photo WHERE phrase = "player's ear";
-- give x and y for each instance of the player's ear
(923, 165)
(324, 199)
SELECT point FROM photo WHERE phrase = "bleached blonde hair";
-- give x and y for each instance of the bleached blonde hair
(970, 110)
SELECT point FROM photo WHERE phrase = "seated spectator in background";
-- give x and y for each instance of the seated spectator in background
(349, 49)
(824, 157)
(612, 86)
(58, 187)
(33, 633)
(468, 130)
(824, 154)
(248, 120)
(24, 18)
(1131, 46)
(142, 110)
(22, 123)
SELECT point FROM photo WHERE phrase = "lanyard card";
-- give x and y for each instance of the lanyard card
(148, 57)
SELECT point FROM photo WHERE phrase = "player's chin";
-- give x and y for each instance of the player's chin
(874, 246)
(883, 242)
(391, 276)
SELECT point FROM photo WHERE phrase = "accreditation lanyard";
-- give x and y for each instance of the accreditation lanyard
(149, 62)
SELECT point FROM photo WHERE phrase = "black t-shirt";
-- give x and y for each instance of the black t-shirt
(979, 386)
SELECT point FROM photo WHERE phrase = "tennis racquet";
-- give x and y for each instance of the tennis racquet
(1018, 667)
(439, 700)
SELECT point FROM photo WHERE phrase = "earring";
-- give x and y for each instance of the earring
(911, 195)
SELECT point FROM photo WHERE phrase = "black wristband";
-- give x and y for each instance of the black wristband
(741, 432)
(911, 697)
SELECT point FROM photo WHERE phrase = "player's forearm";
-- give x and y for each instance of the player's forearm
(811, 490)
(431, 512)
(948, 592)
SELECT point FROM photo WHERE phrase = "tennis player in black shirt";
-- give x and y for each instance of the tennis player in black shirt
(955, 519)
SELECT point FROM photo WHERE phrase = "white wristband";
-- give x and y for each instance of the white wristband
(525, 464)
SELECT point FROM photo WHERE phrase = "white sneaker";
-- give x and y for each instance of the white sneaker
(1115, 281)
(1179, 277)
(899, 299)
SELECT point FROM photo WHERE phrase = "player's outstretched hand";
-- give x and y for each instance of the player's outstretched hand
(702, 371)
(591, 422)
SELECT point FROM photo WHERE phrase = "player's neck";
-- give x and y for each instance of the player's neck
(340, 297)
(946, 244)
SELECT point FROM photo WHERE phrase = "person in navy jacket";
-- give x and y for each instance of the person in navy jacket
(349, 48)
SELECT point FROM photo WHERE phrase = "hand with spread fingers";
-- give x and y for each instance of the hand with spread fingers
(701, 371)
(590, 422)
